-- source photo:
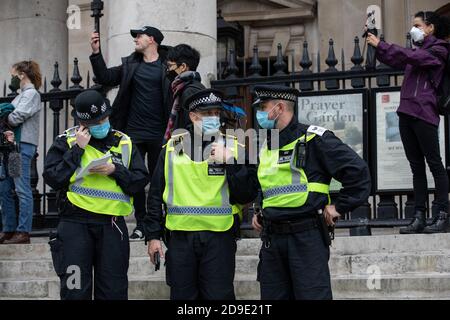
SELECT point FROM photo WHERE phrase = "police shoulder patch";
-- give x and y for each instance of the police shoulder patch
(317, 130)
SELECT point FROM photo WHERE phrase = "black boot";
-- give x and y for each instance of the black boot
(417, 225)
(439, 225)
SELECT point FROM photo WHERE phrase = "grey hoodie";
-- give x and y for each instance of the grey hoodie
(27, 110)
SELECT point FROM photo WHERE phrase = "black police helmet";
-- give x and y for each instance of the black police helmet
(91, 107)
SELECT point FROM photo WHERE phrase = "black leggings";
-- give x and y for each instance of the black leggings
(421, 141)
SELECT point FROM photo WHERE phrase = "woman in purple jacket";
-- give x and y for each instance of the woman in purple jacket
(424, 67)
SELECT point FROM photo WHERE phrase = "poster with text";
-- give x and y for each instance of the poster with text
(393, 169)
(340, 113)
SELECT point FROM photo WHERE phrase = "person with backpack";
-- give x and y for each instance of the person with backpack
(419, 110)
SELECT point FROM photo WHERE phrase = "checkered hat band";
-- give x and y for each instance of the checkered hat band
(276, 95)
(83, 116)
(211, 99)
(94, 111)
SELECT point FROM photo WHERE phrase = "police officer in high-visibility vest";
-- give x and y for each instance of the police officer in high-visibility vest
(96, 171)
(198, 185)
(294, 173)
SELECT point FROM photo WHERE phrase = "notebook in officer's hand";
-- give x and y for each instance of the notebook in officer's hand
(94, 163)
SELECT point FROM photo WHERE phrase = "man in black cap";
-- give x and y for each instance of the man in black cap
(96, 171)
(143, 103)
(294, 174)
(201, 188)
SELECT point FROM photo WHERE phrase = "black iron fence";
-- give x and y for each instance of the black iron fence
(388, 206)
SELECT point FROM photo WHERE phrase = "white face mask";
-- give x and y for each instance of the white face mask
(417, 35)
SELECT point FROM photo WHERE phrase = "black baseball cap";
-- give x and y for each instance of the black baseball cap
(91, 107)
(150, 31)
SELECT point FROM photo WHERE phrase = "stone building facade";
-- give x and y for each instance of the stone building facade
(36, 29)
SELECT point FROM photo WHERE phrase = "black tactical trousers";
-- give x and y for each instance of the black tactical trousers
(295, 267)
(87, 246)
(201, 265)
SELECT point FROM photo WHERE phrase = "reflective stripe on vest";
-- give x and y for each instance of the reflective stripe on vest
(195, 201)
(284, 185)
(83, 191)
(100, 194)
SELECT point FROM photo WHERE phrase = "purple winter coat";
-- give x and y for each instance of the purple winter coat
(418, 95)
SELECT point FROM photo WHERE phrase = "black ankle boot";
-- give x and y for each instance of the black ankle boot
(416, 226)
(440, 224)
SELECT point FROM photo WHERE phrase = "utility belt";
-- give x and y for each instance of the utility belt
(312, 220)
(293, 226)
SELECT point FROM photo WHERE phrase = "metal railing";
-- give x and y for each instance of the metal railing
(385, 208)
(390, 208)
(55, 118)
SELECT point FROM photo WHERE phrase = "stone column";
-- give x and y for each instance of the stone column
(191, 21)
(33, 30)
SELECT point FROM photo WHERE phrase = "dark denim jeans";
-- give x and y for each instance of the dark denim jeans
(22, 186)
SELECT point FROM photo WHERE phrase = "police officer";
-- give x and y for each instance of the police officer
(294, 176)
(200, 186)
(92, 233)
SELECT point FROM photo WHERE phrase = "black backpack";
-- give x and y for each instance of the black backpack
(443, 91)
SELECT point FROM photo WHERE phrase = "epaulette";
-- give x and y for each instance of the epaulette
(317, 130)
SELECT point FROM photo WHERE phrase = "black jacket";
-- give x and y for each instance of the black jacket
(123, 75)
(61, 163)
(192, 85)
(327, 157)
(242, 191)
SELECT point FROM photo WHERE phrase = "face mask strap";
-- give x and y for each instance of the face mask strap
(278, 116)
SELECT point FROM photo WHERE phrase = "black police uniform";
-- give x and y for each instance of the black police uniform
(200, 265)
(294, 256)
(85, 239)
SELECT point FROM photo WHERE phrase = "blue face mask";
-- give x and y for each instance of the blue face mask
(263, 119)
(100, 131)
(210, 125)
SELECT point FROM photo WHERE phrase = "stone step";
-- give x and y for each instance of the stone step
(139, 266)
(39, 249)
(30, 289)
(414, 286)
(391, 243)
(391, 264)
(342, 246)
(407, 286)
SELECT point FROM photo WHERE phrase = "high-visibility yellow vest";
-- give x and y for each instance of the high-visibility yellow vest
(283, 184)
(196, 195)
(97, 193)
